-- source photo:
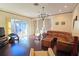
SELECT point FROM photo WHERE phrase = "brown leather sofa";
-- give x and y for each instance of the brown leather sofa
(65, 35)
(64, 40)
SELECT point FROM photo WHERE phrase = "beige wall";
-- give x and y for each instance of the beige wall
(32, 27)
(75, 13)
(67, 18)
(5, 18)
(50, 23)
(3, 22)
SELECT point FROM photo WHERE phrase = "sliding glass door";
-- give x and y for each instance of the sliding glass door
(19, 27)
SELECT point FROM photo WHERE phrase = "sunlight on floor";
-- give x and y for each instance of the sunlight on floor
(17, 50)
(24, 42)
(20, 49)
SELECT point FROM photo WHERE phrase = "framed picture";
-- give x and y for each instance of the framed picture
(63, 23)
(57, 23)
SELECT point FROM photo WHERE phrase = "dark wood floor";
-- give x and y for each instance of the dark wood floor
(20, 49)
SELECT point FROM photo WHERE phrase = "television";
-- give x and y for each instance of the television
(2, 32)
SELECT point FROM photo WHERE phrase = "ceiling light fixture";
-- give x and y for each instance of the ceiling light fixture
(43, 14)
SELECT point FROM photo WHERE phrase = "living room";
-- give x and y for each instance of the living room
(37, 25)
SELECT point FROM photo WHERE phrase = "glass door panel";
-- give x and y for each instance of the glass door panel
(19, 27)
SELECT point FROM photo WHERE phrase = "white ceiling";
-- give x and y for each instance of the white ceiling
(30, 10)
